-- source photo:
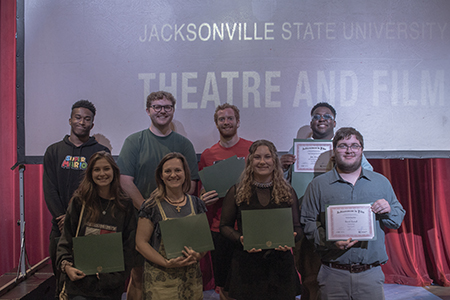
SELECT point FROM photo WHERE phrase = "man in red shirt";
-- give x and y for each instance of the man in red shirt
(227, 121)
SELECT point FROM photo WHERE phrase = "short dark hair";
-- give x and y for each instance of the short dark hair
(224, 106)
(324, 104)
(158, 96)
(346, 132)
(84, 104)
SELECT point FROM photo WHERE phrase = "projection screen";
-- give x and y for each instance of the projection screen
(384, 65)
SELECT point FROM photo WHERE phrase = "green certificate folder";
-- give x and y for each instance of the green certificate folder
(222, 175)
(191, 231)
(99, 253)
(267, 228)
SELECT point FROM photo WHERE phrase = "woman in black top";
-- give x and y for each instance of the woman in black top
(260, 274)
(104, 208)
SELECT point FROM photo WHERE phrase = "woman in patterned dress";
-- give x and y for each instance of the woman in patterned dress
(176, 278)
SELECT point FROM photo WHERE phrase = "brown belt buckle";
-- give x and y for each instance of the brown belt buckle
(354, 268)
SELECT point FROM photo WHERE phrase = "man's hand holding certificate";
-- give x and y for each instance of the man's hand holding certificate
(350, 222)
(380, 206)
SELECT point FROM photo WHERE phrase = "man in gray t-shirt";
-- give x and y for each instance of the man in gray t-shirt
(140, 155)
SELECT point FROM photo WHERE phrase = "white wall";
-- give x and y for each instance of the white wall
(384, 65)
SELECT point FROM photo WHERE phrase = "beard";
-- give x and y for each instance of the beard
(345, 167)
(228, 134)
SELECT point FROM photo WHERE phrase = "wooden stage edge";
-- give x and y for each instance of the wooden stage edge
(37, 283)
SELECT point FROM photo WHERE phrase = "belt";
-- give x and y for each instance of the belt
(353, 268)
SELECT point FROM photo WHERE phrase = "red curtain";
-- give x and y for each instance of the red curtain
(418, 251)
(37, 218)
(8, 213)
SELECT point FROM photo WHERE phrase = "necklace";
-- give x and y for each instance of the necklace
(107, 206)
(262, 185)
(176, 203)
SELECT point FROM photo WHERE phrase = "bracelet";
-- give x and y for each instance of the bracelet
(64, 264)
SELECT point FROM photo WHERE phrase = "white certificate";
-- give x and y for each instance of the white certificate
(312, 156)
(355, 221)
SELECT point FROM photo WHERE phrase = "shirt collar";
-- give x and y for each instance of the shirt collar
(365, 174)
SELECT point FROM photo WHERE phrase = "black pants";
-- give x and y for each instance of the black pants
(54, 238)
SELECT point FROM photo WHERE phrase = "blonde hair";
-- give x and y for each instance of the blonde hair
(281, 190)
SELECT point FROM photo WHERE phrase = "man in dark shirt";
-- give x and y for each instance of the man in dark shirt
(64, 163)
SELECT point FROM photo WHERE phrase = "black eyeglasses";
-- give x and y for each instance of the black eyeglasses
(344, 147)
(157, 108)
(326, 117)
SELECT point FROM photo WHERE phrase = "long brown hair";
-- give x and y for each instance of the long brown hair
(160, 192)
(281, 190)
(87, 190)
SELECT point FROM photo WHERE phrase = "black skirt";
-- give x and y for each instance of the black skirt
(269, 274)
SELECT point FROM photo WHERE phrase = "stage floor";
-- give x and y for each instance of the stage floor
(391, 292)
(41, 285)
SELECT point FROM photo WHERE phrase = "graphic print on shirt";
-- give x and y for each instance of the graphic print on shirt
(74, 162)
(97, 229)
